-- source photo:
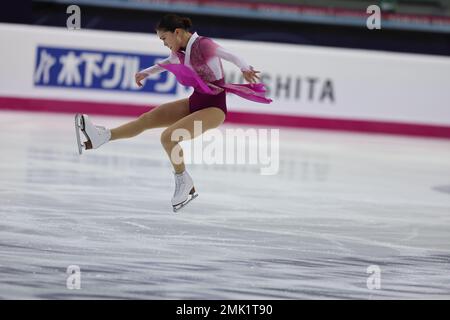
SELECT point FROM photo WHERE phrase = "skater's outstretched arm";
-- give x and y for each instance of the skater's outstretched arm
(155, 69)
(233, 58)
(249, 74)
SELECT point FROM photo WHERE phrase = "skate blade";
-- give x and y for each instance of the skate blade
(183, 204)
(79, 128)
(79, 125)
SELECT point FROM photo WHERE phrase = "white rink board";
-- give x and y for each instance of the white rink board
(353, 84)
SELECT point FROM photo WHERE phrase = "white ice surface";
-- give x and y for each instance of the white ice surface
(340, 203)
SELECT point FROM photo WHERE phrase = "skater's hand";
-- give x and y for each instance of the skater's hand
(139, 77)
(251, 75)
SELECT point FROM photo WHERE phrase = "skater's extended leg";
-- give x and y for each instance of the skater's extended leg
(210, 118)
(162, 116)
(184, 186)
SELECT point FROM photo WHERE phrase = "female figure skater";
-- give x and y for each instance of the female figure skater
(195, 61)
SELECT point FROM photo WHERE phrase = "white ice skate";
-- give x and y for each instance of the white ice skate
(184, 191)
(95, 135)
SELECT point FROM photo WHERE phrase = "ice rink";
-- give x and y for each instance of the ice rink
(341, 202)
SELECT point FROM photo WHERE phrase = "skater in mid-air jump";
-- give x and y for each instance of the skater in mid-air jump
(195, 61)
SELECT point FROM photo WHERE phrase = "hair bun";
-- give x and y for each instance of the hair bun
(171, 21)
(187, 22)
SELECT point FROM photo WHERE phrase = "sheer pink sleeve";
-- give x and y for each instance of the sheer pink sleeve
(210, 49)
(155, 69)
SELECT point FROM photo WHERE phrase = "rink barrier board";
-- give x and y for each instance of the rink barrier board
(330, 88)
(248, 118)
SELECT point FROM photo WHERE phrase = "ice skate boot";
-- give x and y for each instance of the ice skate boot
(95, 135)
(184, 191)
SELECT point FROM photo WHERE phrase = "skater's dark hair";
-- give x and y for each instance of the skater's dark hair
(170, 22)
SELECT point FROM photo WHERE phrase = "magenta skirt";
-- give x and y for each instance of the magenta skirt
(203, 98)
(199, 101)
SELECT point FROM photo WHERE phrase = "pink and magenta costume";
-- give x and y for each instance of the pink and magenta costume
(200, 67)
